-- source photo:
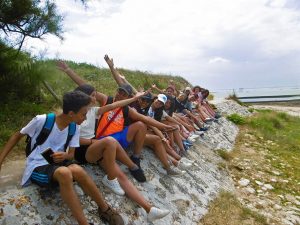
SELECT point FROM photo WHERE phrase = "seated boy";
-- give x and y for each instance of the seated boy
(61, 172)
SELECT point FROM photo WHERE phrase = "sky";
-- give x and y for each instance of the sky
(216, 44)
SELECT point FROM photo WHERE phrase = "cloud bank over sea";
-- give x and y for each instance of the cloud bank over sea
(217, 44)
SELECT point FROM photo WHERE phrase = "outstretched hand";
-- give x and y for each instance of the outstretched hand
(140, 94)
(140, 89)
(109, 61)
(61, 65)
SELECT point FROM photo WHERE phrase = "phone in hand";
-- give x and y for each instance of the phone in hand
(47, 155)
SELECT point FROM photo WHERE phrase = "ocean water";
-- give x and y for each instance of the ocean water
(267, 94)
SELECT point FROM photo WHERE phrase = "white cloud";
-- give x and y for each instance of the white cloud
(218, 60)
(201, 40)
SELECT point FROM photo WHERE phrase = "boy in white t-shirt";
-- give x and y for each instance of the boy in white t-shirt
(62, 172)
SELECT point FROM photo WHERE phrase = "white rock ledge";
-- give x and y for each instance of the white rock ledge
(187, 197)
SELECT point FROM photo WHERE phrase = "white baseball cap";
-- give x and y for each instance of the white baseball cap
(162, 98)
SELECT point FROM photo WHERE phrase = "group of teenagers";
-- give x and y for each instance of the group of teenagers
(107, 130)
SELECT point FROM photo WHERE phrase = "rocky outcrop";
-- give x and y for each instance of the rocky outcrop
(228, 107)
(187, 197)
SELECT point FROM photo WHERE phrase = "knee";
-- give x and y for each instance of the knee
(77, 171)
(63, 175)
(109, 142)
(157, 141)
(141, 126)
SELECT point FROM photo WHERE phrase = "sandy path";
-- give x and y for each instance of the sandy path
(294, 111)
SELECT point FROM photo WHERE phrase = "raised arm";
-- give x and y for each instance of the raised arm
(101, 98)
(119, 78)
(67, 70)
(121, 103)
(114, 71)
(135, 116)
(127, 82)
(14, 139)
(157, 89)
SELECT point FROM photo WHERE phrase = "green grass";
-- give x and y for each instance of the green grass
(284, 131)
(16, 113)
(224, 154)
(101, 78)
(226, 209)
(236, 119)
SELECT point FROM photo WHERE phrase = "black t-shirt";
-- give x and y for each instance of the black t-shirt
(179, 106)
(138, 108)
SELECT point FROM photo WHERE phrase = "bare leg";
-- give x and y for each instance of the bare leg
(136, 133)
(105, 148)
(63, 175)
(122, 156)
(176, 135)
(131, 191)
(88, 185)
(156, 144)
(171, 152)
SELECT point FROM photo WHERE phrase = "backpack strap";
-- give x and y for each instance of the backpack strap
(71, 132)
(43, 135)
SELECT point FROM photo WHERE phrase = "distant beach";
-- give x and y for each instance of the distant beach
(266, 95)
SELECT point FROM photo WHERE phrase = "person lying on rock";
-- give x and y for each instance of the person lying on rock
(59, 169)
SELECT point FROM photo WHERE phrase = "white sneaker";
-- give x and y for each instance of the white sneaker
(113, 185)
(156, 213)
(191, 139)
(184, 165)
(194, 136)
(174, 171)
(183, 159)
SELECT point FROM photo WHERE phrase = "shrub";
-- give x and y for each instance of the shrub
(234, 97)
(224, 154)
(236, 119)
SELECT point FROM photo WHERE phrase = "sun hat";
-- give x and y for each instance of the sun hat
(162, 98)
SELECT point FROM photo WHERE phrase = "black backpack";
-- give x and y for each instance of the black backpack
(43, 135)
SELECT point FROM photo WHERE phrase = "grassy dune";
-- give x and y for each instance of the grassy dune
(16, 113)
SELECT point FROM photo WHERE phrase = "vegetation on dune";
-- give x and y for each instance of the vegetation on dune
(235, 98)
(269, 142)
(24, 95)
(226, 209)
(236, 119)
